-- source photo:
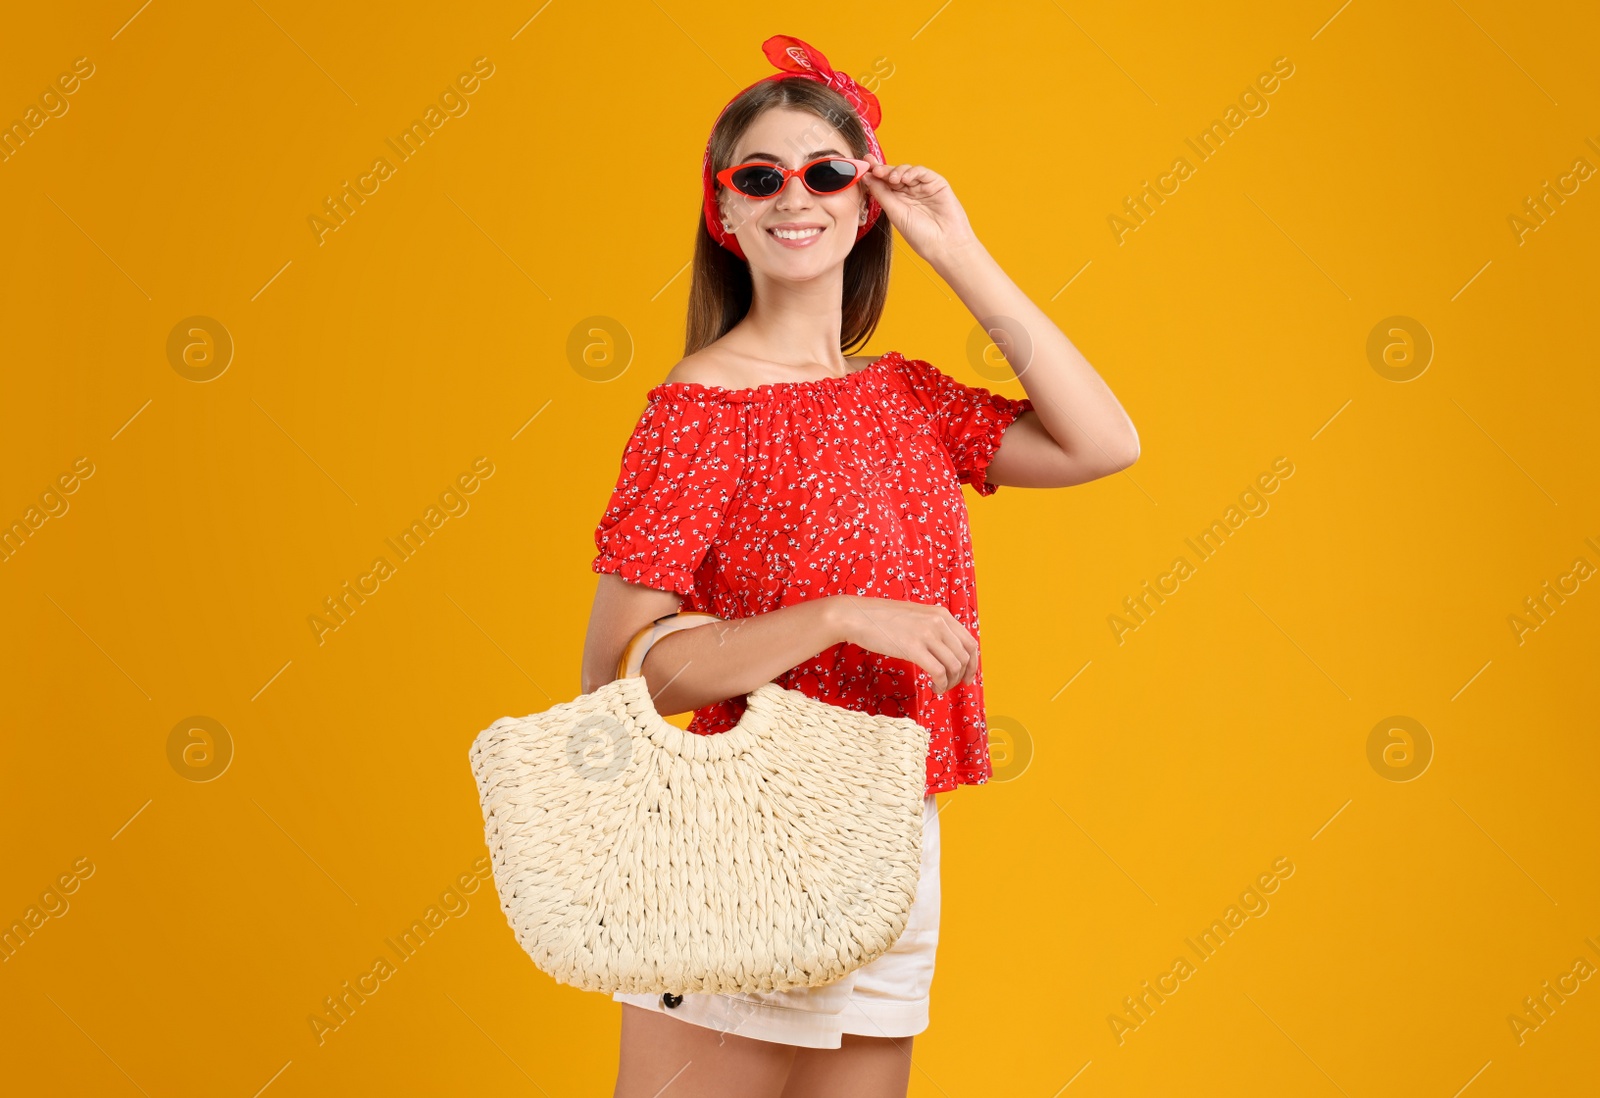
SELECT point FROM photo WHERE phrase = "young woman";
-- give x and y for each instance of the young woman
(813, 501)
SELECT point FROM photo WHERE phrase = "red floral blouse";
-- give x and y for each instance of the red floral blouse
(743, 501)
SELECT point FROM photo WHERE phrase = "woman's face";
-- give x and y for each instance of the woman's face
(826, 224)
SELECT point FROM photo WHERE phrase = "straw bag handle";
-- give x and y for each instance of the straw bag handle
(632, 661)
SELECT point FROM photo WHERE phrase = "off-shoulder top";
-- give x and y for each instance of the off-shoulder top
(743, 501)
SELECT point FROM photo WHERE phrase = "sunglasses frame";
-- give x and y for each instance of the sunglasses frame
(725, 176)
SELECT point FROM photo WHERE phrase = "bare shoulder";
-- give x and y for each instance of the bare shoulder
(716, 365)
(705, 367)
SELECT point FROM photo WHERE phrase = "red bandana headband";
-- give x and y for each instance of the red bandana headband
(795, 58)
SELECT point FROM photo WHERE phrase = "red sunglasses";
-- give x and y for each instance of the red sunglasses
(829, 175)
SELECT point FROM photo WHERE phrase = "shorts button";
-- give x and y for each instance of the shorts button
(670, 1000)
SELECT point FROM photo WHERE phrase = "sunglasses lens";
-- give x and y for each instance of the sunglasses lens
(828, 176)
(757, 181)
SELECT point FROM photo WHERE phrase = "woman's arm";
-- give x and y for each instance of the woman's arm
(1077, 430)
(693, 668)
(697, 667)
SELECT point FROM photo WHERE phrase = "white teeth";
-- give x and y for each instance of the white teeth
(794, 234)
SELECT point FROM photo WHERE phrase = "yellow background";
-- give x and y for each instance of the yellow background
(434, 328)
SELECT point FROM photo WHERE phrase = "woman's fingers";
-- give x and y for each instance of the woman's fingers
(948, 648)
(955, 666)
(969, 668)
(905, 178)
(924, 634)
(887, 173)
(942, 668)
(963, 648)
(956, 652)
(941, 660)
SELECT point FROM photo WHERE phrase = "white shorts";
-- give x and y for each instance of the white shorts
(887, 997)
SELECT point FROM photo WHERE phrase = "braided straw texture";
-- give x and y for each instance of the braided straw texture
(631, 855)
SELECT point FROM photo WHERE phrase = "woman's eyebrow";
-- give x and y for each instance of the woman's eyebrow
(776, 159)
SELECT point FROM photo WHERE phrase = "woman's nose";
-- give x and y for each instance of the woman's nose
(793, 192)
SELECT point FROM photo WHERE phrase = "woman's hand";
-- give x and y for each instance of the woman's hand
(919, 202)
(928, 636)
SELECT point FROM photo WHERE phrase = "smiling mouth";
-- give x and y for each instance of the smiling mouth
(795, 234)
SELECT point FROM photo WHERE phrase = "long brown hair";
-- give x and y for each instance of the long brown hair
(720, 290)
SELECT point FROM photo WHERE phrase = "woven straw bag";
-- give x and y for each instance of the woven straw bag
(631, 855)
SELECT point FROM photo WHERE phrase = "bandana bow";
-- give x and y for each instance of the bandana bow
(795, 58)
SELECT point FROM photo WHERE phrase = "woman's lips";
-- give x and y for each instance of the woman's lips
(803, 242)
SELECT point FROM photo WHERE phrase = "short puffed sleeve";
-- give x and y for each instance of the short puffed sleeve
(679, 471)
(969, 420)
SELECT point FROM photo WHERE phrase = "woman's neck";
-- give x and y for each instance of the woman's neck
(796, 323)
